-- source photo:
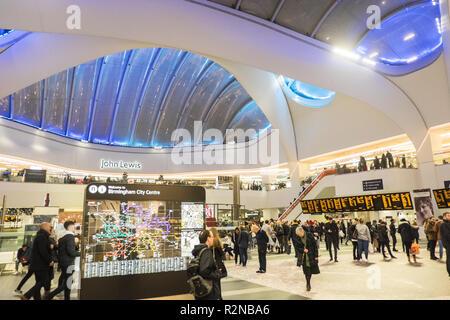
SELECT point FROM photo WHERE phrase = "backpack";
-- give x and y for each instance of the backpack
(200, 287)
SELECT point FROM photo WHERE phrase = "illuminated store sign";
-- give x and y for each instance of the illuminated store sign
(442, 197)
(120, 164)
(373, 202)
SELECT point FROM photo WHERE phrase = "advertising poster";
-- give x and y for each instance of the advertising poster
(423, 205)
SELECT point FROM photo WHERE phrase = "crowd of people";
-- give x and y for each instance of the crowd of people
(305, 237)
(385, 161)
(40, 259)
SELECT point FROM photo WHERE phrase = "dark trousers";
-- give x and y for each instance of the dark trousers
(332, 242)
(355, 250)
(244, 256)
(447, 251)
(383, 245)
(262, 251)
(394, 241)
(25, 279)
(63, 285)
(286, 242)
(407, 247)
(281, 243)
(236, 256)
(42, 281)
(432, 246)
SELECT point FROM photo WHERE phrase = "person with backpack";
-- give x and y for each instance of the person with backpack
(203, 274)
(243, 241)
(431, 236)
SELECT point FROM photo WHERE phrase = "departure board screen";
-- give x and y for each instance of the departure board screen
(442, 197)
(373, 202)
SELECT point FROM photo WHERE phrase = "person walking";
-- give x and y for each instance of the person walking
(66, 259)
(207, 265)
(393, 232)
(445, 237)
(22, 257)
(309, 255)
(219, 257)
(293, 239)
(25, 260)
(234, 239)
(383, 239)
(243, 240)
(40, 263)
(261, 240)
(332, 237)
(431, 236)
(437, 229)
(407, 235)
(353, 234)
(364, 239)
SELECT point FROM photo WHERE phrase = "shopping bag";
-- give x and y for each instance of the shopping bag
(415, 249)
(370, 248)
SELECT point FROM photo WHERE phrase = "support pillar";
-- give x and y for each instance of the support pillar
(236, 198)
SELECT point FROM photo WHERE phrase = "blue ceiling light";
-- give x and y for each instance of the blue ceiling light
(9, 37)
(407, 41)
(136, 98)
(306, 94)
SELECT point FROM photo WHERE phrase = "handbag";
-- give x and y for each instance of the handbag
(222, 270)
(341, 234)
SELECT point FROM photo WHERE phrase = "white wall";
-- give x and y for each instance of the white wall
(443, 174)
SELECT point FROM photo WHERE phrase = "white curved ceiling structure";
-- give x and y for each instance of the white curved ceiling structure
(109, 26)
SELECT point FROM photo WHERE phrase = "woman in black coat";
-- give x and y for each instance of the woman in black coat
(383, 239)
(406, 232)
(308, 255)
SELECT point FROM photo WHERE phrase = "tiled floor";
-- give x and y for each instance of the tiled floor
(390, 279)
(394, 279)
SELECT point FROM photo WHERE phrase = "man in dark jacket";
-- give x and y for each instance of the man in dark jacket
(41, 262)
(445, 237)
(261, 240)
(332, 237)
(383, 239)
(393, 232)
(406, 233)
(243, 245)
(207, 268)
(293, 237)
(66, 257)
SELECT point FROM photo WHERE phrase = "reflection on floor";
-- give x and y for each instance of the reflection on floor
(390, 279)
(380, 279)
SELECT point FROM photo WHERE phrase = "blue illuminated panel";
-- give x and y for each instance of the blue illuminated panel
(134, 98)
(407, 41)
(306, 94)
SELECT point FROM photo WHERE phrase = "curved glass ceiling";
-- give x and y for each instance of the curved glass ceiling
(136, 98)
(407, 41)
(306, 94)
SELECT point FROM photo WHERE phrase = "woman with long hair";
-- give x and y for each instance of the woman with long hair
(219, 256)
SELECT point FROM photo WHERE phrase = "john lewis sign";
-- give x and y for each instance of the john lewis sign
(120, 164)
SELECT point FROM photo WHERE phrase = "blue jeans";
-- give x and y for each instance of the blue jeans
(363, 245)
(244, 256)
(441, 249)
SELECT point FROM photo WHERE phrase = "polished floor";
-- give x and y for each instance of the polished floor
(346, 279)
(349, 280)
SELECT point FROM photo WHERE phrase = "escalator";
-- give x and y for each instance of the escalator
(297, 201)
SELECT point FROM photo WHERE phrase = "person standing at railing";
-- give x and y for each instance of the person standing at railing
(376, 163)
(390, 158)
(403, 161)
(383, 161)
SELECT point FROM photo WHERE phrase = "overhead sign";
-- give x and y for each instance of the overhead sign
(120, 164)
(442, 197)
(370, 185)
(373, 202)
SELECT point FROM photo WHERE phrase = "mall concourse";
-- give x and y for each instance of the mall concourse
(224, 149)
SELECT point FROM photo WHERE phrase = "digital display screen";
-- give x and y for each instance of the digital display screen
(375, 202)
(442, 197)
(127, 237)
